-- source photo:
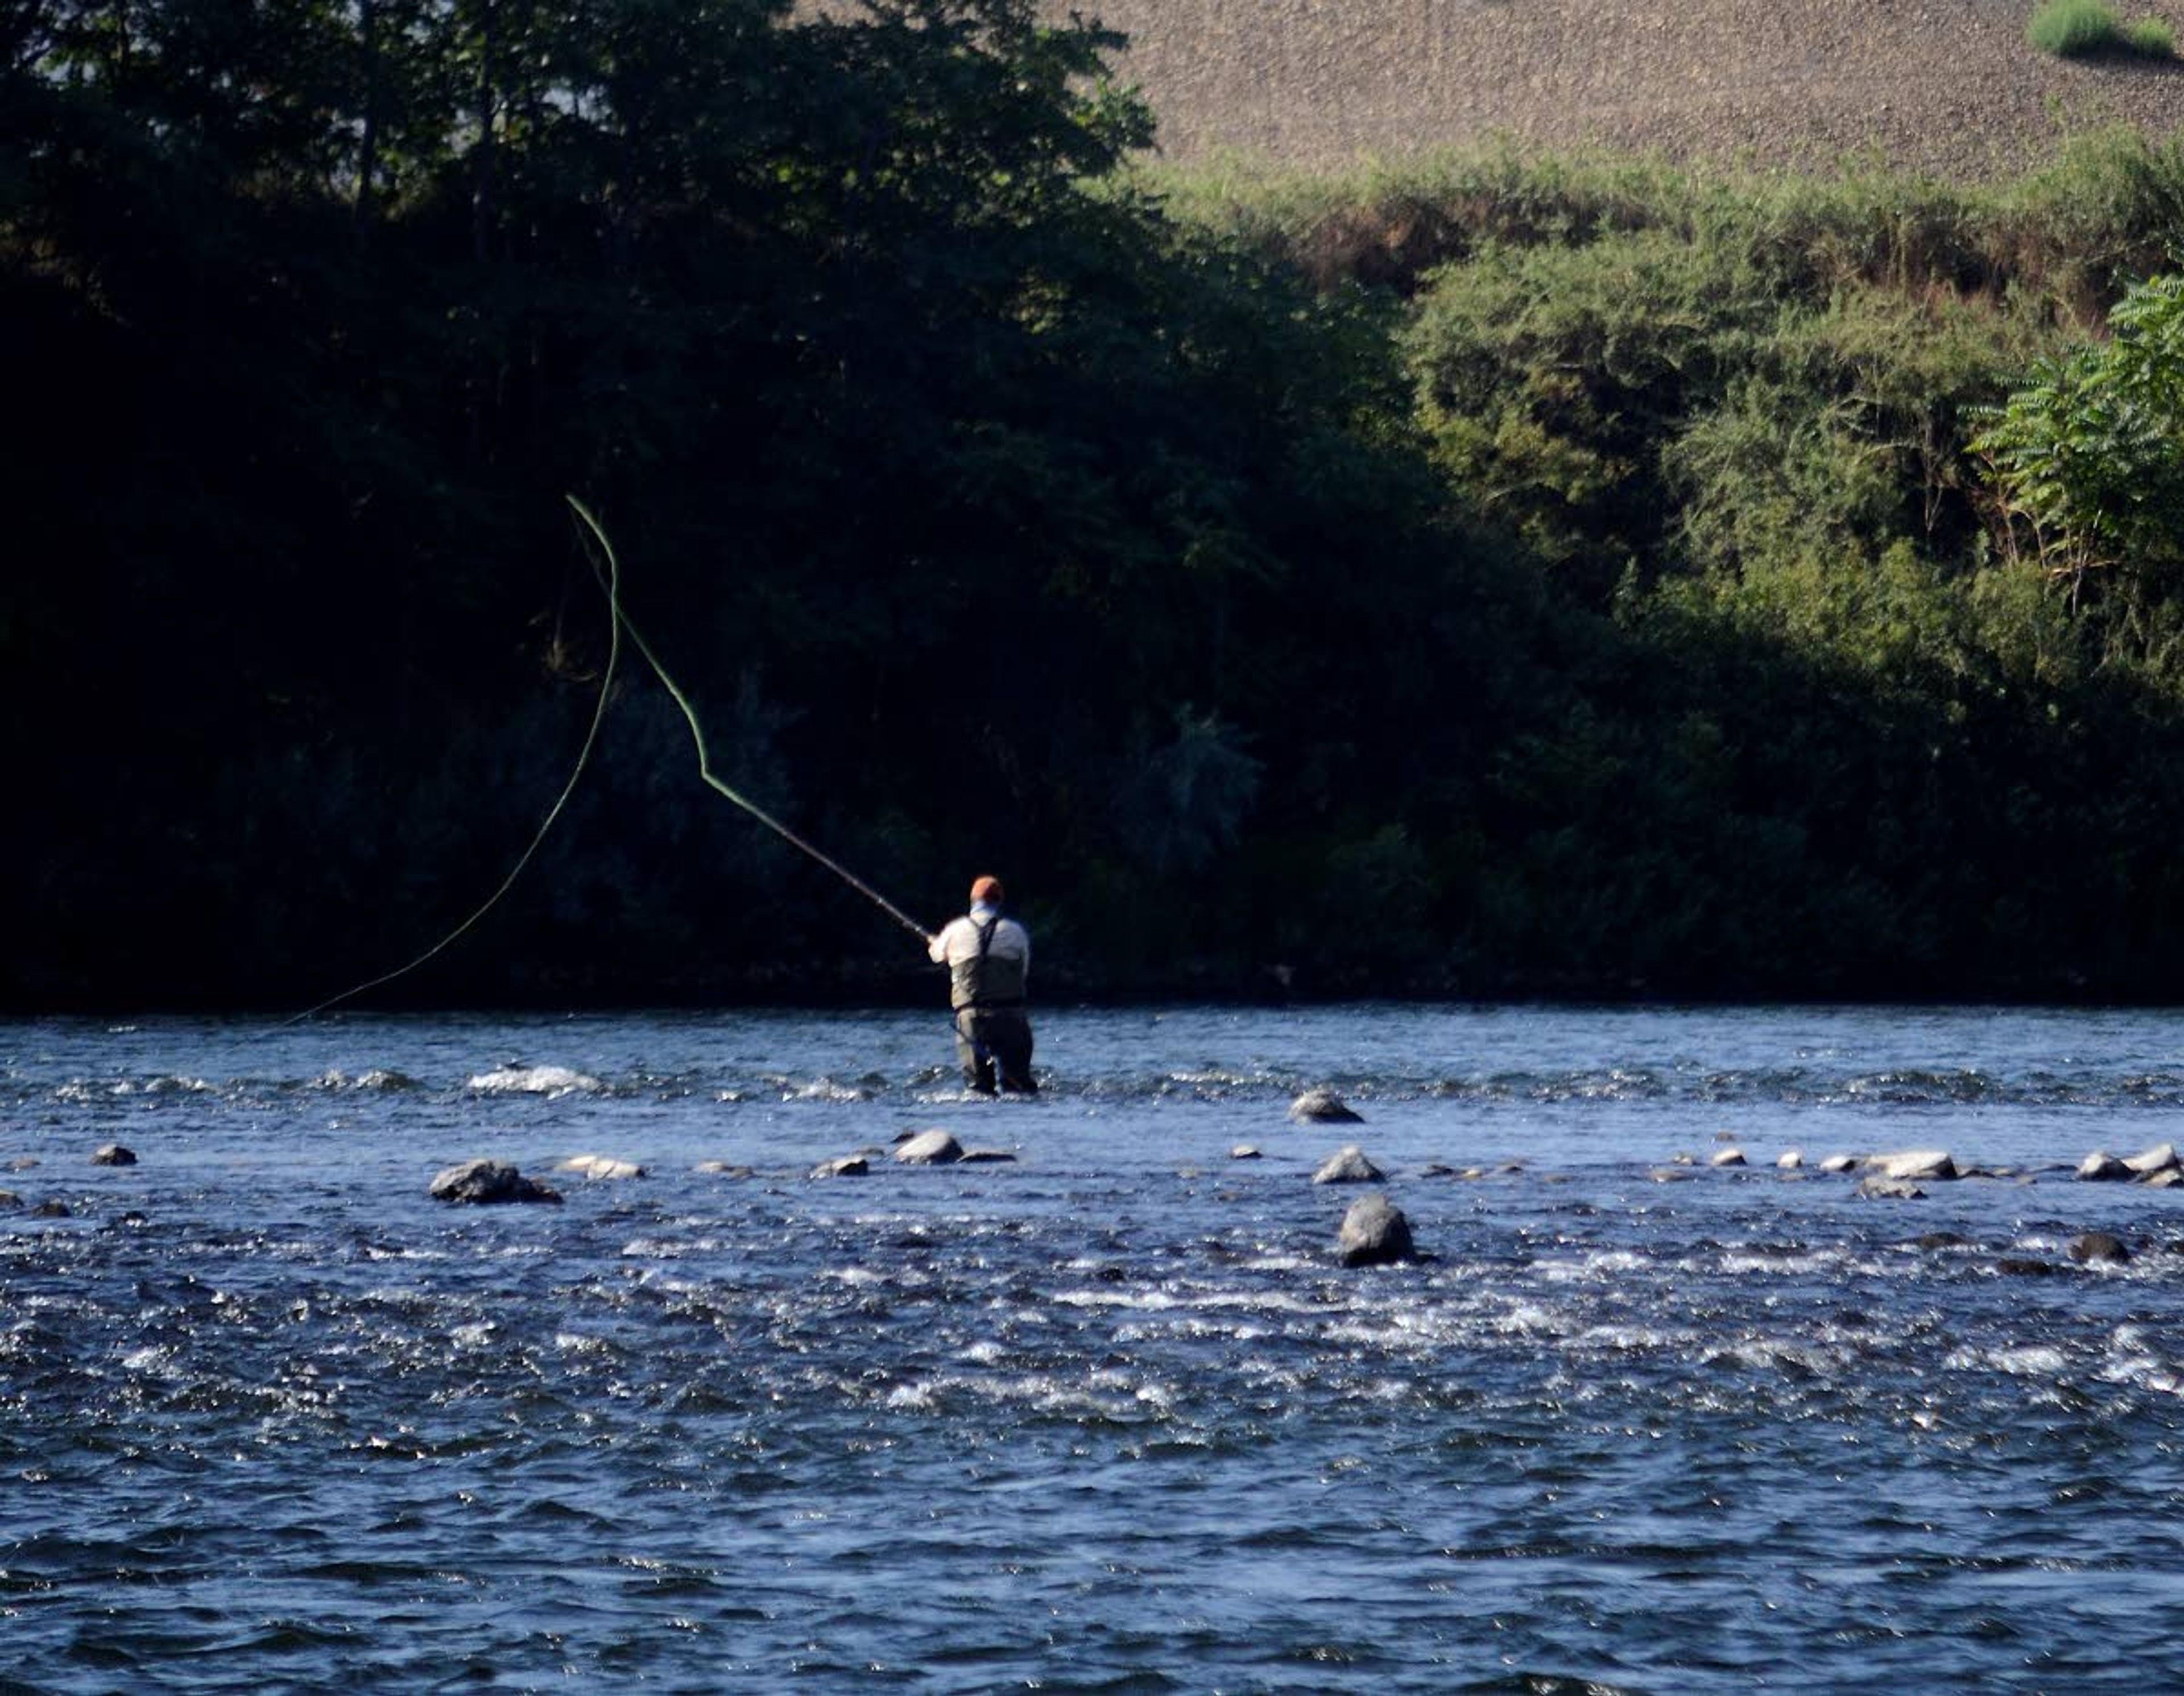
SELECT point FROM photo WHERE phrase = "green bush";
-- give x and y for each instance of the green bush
(2073, 28)
(2150, 38)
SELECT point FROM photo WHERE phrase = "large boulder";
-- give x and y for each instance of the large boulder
(1375, 1233)
(1348, 1165)
(2161, 1157)
(2101, 1167)
(1323, 1107)
(489, 1183)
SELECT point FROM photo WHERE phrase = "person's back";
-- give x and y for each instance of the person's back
(989, 960)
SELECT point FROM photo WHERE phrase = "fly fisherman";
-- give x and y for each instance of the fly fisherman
(987, 957)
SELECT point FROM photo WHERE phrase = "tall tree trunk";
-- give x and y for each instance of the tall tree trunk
(367, 147)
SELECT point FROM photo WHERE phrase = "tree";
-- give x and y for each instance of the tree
(2090, 456)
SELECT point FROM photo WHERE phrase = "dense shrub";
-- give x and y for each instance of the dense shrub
(2075, 28)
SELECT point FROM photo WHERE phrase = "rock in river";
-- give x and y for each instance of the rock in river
(488, 1182)
(930, 1148)
(1348, 1165)
(2099, 1248)
(2100, 1167)
(1914, 1165)
(113, 1154)
(601, 1166)
(1375, 1233)
(1323, 1107)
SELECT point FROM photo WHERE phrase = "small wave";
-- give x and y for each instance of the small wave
(377, 1079)
(2025, 1360)
(549, 1081)
(818, 1090)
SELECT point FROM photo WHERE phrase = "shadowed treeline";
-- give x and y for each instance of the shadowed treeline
(1565, 576)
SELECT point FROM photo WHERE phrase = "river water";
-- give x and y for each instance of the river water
(1111, 1415)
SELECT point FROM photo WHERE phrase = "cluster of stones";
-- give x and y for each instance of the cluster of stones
(1899, 1175)
(2157, 1167)
(912, 1148)
(1374, 1232)
(489, 1183)
(106, 1154)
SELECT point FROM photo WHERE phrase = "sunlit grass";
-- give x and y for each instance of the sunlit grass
(2072, 29)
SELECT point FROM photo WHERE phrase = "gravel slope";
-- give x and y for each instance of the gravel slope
(1948, 86)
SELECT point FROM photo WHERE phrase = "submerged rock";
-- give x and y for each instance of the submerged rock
(930, 1148)
(1323, 1107)
(1348, 1165)
(2017, 1266)
(601, 1166)
(988, 1157)
(1880, 1186)
(1840, 1164)
(1243, 1151)
(1726, 1156)
(489, 1183)
(849, 1166)
(1375, 1233)
(722, 1168)
(2099, 1248)
(113, 1154)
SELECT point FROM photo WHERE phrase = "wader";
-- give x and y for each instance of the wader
(993, 1036)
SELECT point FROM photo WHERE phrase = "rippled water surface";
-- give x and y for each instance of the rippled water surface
(1110, 1415)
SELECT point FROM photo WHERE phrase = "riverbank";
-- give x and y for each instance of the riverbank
(1948, 88)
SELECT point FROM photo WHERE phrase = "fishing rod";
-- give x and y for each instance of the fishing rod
(611, 580)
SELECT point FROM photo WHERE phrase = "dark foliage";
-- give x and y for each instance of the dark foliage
(1610, 612)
